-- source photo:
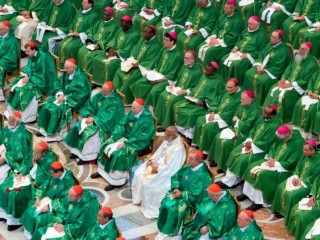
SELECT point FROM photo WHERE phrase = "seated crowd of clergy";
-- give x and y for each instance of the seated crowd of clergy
(239, 80)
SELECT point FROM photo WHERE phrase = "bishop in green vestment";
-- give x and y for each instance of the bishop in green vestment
(150, 14)
(268, 67)
(145, 52)
(293, 83)
(186, 192)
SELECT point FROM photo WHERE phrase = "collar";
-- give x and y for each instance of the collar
(138, 115)
(223, 194)
(60, 3)
(151, 39)
(197, 167)
(109, 20)
(243, 229)
(62, 176)
(253, 30)
(103, 226)
(85, 11)
(70, 77)
(174, 46)
(4, 36)
(274, 46)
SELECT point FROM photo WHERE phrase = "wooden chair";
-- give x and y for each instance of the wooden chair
(119, 231)
(123, 97)
(290, 49)
(236, 202)
(56, 61)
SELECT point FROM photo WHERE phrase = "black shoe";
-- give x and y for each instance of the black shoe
(160, 129)
(278, 215)
(13, 227)
(95, 175)
(38, 134)
(222, 185)
(23, 54)
(81, 162)
(254, 207)
(239, 183)
(73, 156)
(212, 164)
(242, 197)
(219, 171)
(3, 220)
(109, 187)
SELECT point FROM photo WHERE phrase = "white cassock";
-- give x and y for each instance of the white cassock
(149, 189)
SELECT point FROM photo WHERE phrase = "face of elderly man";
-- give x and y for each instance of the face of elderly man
(3, 29)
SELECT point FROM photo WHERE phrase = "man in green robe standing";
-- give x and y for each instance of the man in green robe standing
(187, 191)
(105, 228)
(219, 115)
(131, 136)
(268, 67)
(36, 78)
(214, 217)
(293, 82)
(145, 52)
(246, 228)
(100, 115)
(292, 190)
(83, 20)
(250, 43)
(71, 91)
(46, 199)
(262, 177)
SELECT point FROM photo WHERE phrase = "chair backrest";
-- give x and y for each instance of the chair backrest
(290, 49)
(123, 97)
(236, 202)
(186, 147)
(16, 73)
(119, 231)
(56, 61)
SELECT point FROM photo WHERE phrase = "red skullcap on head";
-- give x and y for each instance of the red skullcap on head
(249, 213)
(215, 65)
(249, 93)
(17, 114)
(72, 60)
(109, 84)
(193, 53)
(108, 9)
(139, 101)
(121, 238)
(273, 106)
(280, 32)
(31, 44)
(56, 165)
(152, 27)
(214, 188)
(311, 142)
(232, 2)
(173, 35)
(284, 129)
(106, 210)
(43, 145)
(255, 18)
(199, 154)
(77, 189)
(6, 23)
(234, 80)
(126, 18)
(309, 45)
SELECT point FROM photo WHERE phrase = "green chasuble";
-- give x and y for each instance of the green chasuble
(101, 34)
(307, 170)
(61, 17)
(12, 3)
(297, 74)
(219, 217)
(250, 43)
(70, 45)
(145, 52)
(300, 219)
(208, 89)
(187, 78)
(228, 29)
(305, 8)
(109, 232)
(308, 228)
(138, 133)
(106, 111)
(262, 135)
(9, 56)
(305, 116)
(53, 188)
(252, 232)
(77, 217)
(192, 184)
(221, 148)
(99, 6)
(201, 19)
(279, 57)
(122, 42)
(76, 89)
(134, 7)
(250, 10)
(278, 17)
(224, 107)
(167, 64)
(287, 155)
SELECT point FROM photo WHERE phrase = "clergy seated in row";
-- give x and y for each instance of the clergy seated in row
(56, 25)
(250, 43)
(218, 116)
(253, 148)
(246, 228)
(293, 82)
(45, 201)
(143, 56)
(9, 54)
(71, 91)
(36, 78)
(298, 186)
(152, 179)
(263, 176)
(199, 24)
(302, 16)
(96, 38)
(72, 42)
(15, 185)
(209, 87)
(224, 35)
(105, 227)
(187, 190)
(76, 214)
(306, 108)
(242, 122)
(99, 117)
(122, 43)
(311, 34)
(215, 216)
(305, 212)
(268, 67)
(8, 10)
(312, 230)
(150, 14)
(131, 136)
(166, 67)
(187, 78)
